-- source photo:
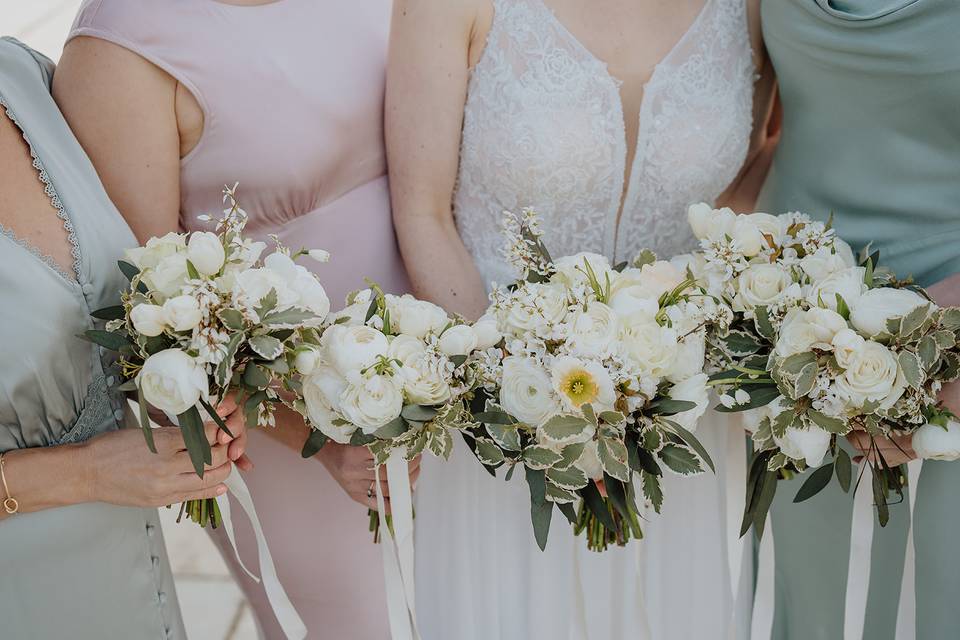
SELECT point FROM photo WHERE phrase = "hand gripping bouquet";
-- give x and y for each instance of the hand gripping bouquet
(600, 384)
(203, 317)
(822, 344)
(391, 373)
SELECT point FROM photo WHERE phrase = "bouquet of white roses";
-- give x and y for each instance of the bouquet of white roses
(601, 382)
(822, 345)
(390, 373)
(204, 316)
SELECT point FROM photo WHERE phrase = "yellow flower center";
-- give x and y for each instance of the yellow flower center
(580, 387)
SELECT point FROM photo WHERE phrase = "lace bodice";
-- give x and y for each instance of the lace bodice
(544, 127)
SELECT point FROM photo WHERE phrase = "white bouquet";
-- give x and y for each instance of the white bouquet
(822, 345)
(601, 381)
(204, 316)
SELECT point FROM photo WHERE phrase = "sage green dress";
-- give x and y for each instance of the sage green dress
(90, 571)
(871, 132)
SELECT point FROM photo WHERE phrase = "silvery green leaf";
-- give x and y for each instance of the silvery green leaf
(540, 457)
(267, 304)
(589, 414)
(613, 458)
(488, 452)
(440, 443)
(795, 363)
(567, 428)
(267, 347)
(571, 478)
(680, 460)
(231, 319)
(763, 436)
(915, 319)
(569, 455)
(912, 370)
(893, 326)
(559, 495)
(418, 413)
(393, 429)
(950, 319)
(777, 461)
(740, 343)
(224, 370)
(945, 339)
(652, 439)
(832, 425)
(806, 380)
(612, 417)
(507, 436)
(762, 323)
(256, 376)
(644, 258)
(292, 317)
(951, 367)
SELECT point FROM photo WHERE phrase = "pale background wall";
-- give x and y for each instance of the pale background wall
(213, 607)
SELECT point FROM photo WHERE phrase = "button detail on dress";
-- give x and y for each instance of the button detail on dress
(156, 562)
(150, 529)
(87, 288)
(118, 414)
(112, 380)
(162, 597)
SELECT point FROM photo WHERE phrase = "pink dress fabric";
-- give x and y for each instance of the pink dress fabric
(292, 94)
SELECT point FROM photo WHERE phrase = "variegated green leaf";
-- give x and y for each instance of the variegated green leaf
(567, 428)
(680, 460)
(559, 495)
(540, 457)
(267, 347)
(488, 452)
(911, 367)
(571, 479)
(613, 458)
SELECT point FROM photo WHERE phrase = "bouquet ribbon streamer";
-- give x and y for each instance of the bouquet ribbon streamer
(287, 616)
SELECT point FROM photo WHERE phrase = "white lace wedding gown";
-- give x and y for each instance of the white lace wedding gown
(544, 127)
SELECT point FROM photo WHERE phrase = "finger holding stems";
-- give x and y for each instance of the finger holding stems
(895, 450)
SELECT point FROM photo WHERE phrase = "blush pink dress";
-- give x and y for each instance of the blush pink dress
(292, 94)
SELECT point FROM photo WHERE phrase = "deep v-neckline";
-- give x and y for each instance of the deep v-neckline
(628, 175)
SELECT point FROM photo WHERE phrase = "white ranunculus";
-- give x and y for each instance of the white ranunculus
(526, 392)
(352, 349)
(168, 276)
(322, 389)
(183, 313)
(846, 345)
(425, 380)
(869, 314)
(594, 331)
(571, 269)
(651, 347)
(373, 401)
(933, 442)
(747, 237)
(306, 359)
(872, 374)
(172, 381)
(488, 335)
(693, 389)
(810, 444)
(156, 249)
(295, 285)
(657, 278)
(414, 317)
(848, 284)
(690, 357)
(822, 264)
(578, 382)
(589, 461)
(406, 349)
(148, 319)
(710, 279)
(458, 340)
(762, 284)
(205, 252)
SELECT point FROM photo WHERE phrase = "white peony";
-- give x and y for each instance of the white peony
(353, 349)
(373, 401)
(593, 332)
(802, 331)
(634, 303)
(488, 335)
(172, 381)
(872, 373)
(848, 284)
(414, 317)
(578, 382)
(762, 284)
(183, 313)
(322, 389)
(650, 347)
(406, 349)
(527, 392)
(458, 340)
(425, 380)
(652, 279)
(693, 389)
(810, 444)
(933, 442)
(205, 252)
(168, 276)
(148, 319)
(869, 314)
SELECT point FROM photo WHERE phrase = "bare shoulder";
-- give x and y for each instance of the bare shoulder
(460, 14)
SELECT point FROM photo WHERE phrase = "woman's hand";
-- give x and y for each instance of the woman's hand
(895, 451)
(352, 468)
(236, 444)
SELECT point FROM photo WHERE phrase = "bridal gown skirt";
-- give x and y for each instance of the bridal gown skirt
(480, 575)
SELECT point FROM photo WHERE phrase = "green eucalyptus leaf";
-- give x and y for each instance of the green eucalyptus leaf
(145, 421)
(195, 439)
(256, 376)
(110, 313)
(418, 413)
(109, 340)
(844, 469)
(815, 483)
(315, 441)
(393, 429)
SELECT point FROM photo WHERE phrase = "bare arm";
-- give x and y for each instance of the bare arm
(428, 70)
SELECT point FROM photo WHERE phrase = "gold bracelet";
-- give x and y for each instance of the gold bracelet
(10, 504)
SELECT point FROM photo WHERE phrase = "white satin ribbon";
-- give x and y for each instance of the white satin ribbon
(907, 611)
(761, 626)
(735, 475)
(287, 616)
(397, 549)
(861, 546)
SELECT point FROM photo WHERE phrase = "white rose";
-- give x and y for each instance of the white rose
(352, 349)
(577, 382)
(933, 442)
(848, 284)
(822, 264)
(425, 380)
(168, 276)
(709, 223)
(488, 335)
(526, 392)
(150, 255)
(589, 461)
(693, 389)
(846, 345)
(414, 317)
(872, 374)
(373, 402)
(869, 313)
(845, 252)
(322, 389)
(762, 284)
(295, 285)
(172, 381)
(458, 340)
(594, 330)
(205, 252)
(148, 319)
(651, 347)
(810, 444)
(183, 313)
(306, 359)
(747, 237)
(571, 269)
(406, 349)
(770, 225)
(656, 278)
